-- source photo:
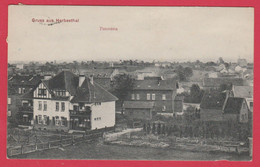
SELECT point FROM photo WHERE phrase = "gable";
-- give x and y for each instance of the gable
(42, 91)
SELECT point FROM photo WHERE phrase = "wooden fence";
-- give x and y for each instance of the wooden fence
(29, 148)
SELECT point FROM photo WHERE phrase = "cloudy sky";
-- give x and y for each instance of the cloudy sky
(144, 33)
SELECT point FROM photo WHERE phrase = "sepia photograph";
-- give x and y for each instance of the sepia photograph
(130, 83)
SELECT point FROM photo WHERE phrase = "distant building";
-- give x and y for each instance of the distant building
(236, 109)
(220, 106)
(214, 83)
(161, 92)
(71, 102)
(244, 92)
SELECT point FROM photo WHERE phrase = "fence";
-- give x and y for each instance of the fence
(24, 149)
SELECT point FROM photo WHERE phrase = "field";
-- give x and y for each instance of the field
(98, 150)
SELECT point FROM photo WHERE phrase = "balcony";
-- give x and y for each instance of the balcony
(26, 108)
(80, 112)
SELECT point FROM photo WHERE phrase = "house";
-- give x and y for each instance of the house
(161, 92)
(139, 110)
(70, 102)
(215, 83)
(211, 106)
(236, 109)
(18, 85)
(244, 92)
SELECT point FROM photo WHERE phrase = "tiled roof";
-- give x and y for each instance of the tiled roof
(233, 105)
(65, 80)
(243, 91)
(213, 100)
(169, 84)
(216, 82)
(138, 104)
(90, 93)
(24, 80)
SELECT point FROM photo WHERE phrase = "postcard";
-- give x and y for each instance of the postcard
(130, 83)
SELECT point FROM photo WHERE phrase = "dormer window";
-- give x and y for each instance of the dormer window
(42, 92)
(60, 93)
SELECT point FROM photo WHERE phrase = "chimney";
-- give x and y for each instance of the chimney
(81, 79)
(47, 77)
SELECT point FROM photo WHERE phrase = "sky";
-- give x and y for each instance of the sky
(143, 33)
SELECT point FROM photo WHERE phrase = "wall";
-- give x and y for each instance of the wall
(51, 112)
(139, 113)
(159, 103)
(106, 112)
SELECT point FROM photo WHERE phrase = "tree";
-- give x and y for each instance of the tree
(184, 73)
(122, 85)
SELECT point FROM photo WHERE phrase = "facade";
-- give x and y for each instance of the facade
(70, 102)
(161, 92)
(139, 110)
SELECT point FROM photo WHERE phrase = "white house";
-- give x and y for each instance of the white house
(71, 102)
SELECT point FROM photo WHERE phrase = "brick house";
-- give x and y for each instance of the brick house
(70, 102)
(161, 92)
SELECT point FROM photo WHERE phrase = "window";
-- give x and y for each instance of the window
(44, 120)
(9, 100)
(164, 97)
(9, 113)
(57, 106)
(164, 108)
(57, 121)
(251, 105)
(45, 106)
(60, 92)
(20, 90)
(62, 106)
(148, 96)
(153, 96)
(133, 96)
(42, 92)
(39, 105)
(40, 121)
(137, 97)
(63, 121)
